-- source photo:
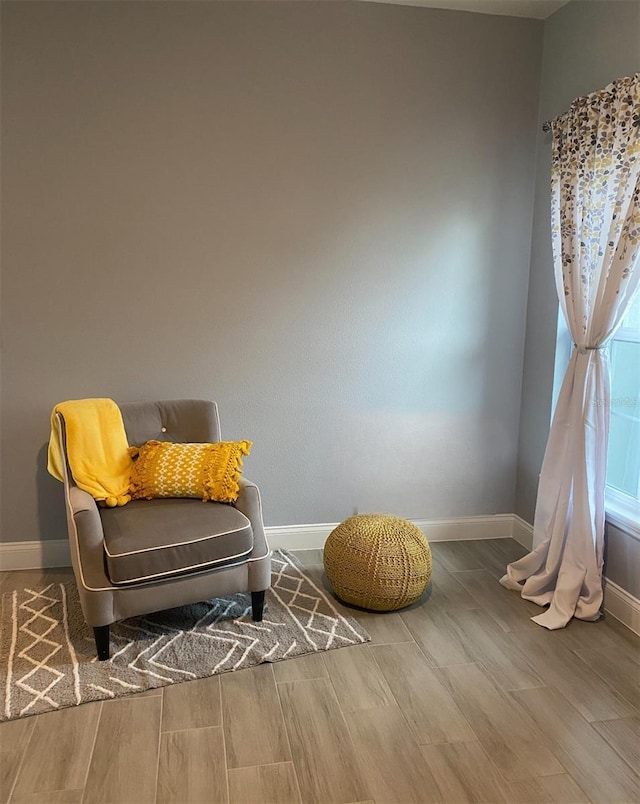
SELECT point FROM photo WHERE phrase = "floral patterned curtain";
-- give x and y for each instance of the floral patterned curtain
(595, 212)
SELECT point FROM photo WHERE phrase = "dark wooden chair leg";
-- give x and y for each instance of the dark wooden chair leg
(101, 634)
(257, 605)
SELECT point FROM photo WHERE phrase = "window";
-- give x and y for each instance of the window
(623, 467)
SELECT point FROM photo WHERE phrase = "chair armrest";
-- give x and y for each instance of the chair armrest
(86, 526)
(86, 542)
(250, 504)
(80, 500)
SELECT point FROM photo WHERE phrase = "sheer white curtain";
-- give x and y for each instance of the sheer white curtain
(595, 211)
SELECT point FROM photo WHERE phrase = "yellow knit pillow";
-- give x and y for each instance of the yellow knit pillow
(208, 471)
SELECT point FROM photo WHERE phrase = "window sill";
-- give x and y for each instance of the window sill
(622, 512)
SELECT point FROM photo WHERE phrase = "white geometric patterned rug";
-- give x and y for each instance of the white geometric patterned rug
(48, 659)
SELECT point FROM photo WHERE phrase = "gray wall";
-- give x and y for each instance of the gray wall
(586, 46)
(318, 214)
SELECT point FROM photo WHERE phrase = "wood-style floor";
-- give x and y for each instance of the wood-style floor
(460, 698)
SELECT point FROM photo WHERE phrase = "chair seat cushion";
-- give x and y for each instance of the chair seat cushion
(150, 539)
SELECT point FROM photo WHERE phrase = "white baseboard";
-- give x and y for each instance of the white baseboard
(621, 605)
(522, 532)
(313, 537)
(298, 537)
(55, 553)
(494, 526)
(34, 555)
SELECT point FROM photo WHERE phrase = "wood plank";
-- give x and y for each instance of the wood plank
(606, 635)
(495, 554)
(512, 740)
(587, 756)
(254, 729)
(384, 628)
(192, 767)
(447, 592)
(192, 705)
(433, 631)
(618, 670)
(426, 704)
(125, 758)
(14, 736)
(464, 773)
(9, 766)
(300, 668)
(390, 760)
(623, 735)
(50, 797)
(357, 679)
(312, 557)
(561, 668)
(494, 649)
(264, 783)
(560, 789)
(506, 607)
(456, 556)
(59, 750)
(323, 754)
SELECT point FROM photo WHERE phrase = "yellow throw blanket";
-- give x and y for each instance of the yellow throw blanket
(97, 449)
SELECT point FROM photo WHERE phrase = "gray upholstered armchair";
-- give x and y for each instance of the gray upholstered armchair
(151, 555)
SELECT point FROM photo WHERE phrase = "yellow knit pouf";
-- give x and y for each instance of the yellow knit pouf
(377, 561)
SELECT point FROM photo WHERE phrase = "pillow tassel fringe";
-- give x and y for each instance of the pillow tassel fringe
(141, 477)
(222, 479)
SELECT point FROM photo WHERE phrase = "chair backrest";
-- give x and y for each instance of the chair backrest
(177, 420)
